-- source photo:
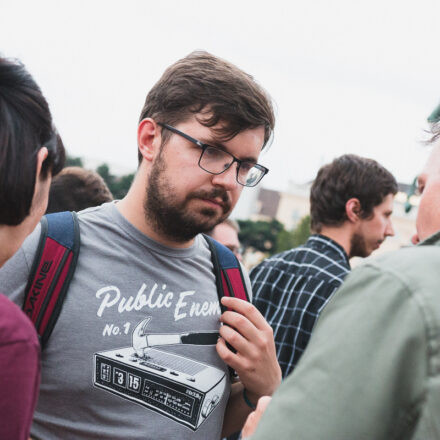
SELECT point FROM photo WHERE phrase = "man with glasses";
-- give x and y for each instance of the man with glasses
(145, 280)
(351, 201)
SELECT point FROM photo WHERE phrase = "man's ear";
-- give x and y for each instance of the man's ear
(41, 157)
(149, 139)
(353, 210)
(415, 239)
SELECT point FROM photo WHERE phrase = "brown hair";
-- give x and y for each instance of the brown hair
(75, 189)
(348, 176)
(221, 92)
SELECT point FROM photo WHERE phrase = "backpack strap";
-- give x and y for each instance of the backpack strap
(52, 270)
(228, 273)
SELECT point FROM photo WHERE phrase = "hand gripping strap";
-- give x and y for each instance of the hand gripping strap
(52, 271)
(227, 269)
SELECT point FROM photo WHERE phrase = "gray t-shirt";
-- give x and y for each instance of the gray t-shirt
(129, 292)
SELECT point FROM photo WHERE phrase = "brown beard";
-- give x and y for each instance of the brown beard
(171, 217)
(358, 247)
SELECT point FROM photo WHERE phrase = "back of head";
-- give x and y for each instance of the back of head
(348, 176)
(75, 189)
(203, 83)
(25, 127)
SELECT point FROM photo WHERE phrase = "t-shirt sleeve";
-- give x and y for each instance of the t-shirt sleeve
(363, 372)
(15, 272)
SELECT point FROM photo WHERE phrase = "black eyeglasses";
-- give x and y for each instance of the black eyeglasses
(216, 161)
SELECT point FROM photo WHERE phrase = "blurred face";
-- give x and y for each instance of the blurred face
(182, 199)
(227, 236)
(372, 231)
(428, 215)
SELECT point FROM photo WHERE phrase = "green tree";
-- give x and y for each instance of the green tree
(285, 241)
(122, 185)
(291, 239)
(260, 235)
(74, 162)
(118, 185)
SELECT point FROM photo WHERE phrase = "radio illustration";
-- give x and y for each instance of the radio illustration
(175, 386)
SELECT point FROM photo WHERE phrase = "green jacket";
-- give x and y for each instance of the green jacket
(372, 367)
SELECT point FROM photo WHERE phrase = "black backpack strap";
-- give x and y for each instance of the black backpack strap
(228, 273)
(52, 270)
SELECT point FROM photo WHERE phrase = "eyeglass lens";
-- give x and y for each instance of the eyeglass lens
(217, 161)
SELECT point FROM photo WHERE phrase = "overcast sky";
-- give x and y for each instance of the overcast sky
(346, 76)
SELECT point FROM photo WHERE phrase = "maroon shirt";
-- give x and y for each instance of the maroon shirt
(19, 371)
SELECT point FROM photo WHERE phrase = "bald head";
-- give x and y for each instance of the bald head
(428, 216)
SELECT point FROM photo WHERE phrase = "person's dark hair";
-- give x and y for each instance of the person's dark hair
(348, 176)
(75, 189)
(25, 127)
(204, 83)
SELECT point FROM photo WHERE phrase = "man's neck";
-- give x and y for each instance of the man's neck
(11, 238)
(341, 235)
(132, 208)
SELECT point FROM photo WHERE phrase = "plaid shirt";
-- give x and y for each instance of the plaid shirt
(290, 290)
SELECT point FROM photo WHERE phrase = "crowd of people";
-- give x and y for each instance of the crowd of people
(154, 333)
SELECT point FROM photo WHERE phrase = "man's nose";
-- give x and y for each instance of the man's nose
(227, 179)
(389, 231)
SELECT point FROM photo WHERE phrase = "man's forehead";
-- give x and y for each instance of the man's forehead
(387, 202)
(224, 230)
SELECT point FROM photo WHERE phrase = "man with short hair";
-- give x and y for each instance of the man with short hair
(75, 189)
(31, 152)
(226, 233)
(351, 201)
(135, 352)
(371, 370)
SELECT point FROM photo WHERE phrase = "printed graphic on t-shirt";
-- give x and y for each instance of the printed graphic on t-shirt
(178, 387)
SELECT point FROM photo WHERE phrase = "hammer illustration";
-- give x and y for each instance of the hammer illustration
(142, 340)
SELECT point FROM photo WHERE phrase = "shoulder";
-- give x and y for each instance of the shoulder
(96, 213)
(308, 262)
(415, 266)
(392, 285)
(283, 260)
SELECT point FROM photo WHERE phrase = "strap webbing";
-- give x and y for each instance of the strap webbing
(52, 271)
(227, 269)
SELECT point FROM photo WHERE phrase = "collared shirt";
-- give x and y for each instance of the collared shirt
(292, 288)
(372, 368)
